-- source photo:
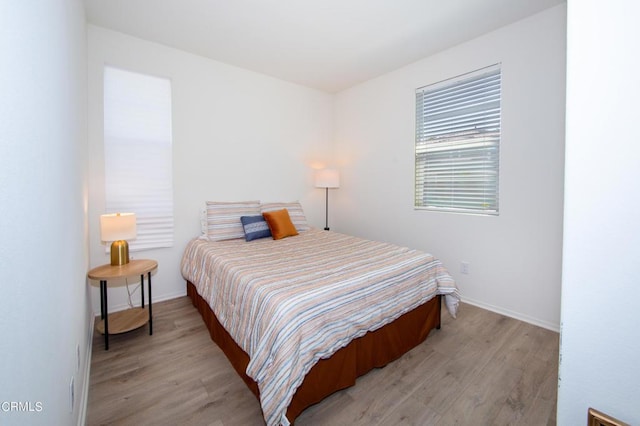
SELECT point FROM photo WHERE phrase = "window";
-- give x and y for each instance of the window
(137, 152)
(458, 143)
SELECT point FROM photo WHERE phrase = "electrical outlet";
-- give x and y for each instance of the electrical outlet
(464, 268)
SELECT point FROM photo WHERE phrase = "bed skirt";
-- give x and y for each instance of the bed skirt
(373, 350)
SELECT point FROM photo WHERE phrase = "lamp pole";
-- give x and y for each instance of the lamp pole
(326, 213)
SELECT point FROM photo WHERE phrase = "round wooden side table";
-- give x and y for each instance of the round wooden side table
(130, 319)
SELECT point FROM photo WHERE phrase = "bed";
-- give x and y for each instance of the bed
(303, 316)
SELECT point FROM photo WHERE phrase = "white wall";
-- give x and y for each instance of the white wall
(237, 135)
(515, 258)
(44, 302)
(600, 344)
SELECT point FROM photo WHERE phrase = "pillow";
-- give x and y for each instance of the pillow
(280, 224)
(295, 213)
(255, 227)
(223, 218)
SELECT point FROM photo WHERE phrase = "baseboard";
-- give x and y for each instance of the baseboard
(512, 314)
(84, 394)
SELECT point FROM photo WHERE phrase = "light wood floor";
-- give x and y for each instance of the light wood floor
(479, 369)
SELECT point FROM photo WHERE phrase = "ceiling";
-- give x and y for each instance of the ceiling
(328, 45)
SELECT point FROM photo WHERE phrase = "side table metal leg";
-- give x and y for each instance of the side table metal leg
(150, 314)
(142, 289)
(105, 311)
(102, 284)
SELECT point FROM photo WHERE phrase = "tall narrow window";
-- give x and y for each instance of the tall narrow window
(137, 152)
(458, 143)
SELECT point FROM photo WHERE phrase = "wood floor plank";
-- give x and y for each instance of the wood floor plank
(481, 368)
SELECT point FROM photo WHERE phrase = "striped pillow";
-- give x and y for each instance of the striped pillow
(295, 213)
(223, 218)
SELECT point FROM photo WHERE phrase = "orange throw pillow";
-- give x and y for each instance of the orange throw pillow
(280, 224)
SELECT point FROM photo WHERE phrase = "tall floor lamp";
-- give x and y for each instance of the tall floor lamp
(327, 178)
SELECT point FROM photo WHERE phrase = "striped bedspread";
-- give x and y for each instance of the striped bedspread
(290, 302)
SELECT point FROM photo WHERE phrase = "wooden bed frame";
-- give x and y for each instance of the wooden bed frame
(373, 350)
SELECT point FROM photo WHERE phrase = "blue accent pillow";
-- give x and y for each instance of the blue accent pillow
(255, 227)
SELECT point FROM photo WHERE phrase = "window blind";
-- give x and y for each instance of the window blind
(138, 154)
(457, 151)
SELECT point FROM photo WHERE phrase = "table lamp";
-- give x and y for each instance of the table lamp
(118, 227)
(327, 178)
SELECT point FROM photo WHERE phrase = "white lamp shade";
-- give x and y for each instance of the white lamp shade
(117, 226)
(327, 178)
